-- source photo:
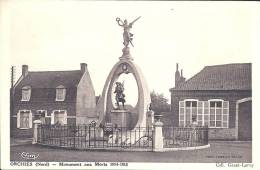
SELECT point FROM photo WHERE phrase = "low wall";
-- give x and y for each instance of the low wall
(222, 134)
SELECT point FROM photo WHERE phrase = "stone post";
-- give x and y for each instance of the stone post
(158, 137)
(36, 123)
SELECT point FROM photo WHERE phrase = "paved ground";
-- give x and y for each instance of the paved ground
(17, 141)
(222, 151)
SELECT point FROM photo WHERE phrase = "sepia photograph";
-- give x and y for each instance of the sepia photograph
(128, 85)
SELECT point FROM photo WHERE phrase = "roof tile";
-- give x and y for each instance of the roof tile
(51, 79)
(220, 77)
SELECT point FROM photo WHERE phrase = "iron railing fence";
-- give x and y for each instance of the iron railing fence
(175, 137)
(87, 136)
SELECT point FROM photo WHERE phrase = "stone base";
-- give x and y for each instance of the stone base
(126, 54)
(120, 117)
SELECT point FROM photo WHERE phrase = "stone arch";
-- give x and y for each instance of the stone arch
(125, 66)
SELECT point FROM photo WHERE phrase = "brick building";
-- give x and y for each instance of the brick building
(55, 97)
(218, 96)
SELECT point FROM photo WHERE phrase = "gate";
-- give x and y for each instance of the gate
(92, 137)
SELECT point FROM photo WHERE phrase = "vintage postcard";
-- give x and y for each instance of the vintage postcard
(129, 85)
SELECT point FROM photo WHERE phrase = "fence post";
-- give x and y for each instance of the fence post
(158, 137)
(35, 131)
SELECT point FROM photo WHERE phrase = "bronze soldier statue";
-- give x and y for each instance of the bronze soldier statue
(120, 96)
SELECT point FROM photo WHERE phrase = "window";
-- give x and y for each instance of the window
(218, 114)
(59, 117)
(213, 113)
(188, 112)
(24, 119)
(26, 93)
(60, 93)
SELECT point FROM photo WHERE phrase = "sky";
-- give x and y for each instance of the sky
(59, 35)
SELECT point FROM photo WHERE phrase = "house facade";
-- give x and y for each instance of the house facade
(219, 97)
(54, 97)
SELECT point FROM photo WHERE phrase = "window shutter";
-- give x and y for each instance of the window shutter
(225, 116)
(65, 118)
(225, 105)
(200, 107)
(181, 103)
(181, 107)
(63, 94)
(181, 113)
(206, 113)
(18, 120)
(200, 113)
(30, 120)
(29, 94)
(206, 107)
(52, 118)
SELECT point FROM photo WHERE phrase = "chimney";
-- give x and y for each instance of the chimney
(83, 67)
(24, 70)
(177, 75)
(182, 78)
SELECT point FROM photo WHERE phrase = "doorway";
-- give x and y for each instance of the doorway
(245, 120)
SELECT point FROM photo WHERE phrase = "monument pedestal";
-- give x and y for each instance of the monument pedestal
(120, 117)
(126, 54)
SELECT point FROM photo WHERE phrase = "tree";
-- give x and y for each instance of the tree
(159, 103)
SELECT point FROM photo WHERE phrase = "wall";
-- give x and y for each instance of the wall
(41, 99)
(86, 100)
(44, 99)
(222, 133)
(28, 133)
(20, 133)
(232, 96)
